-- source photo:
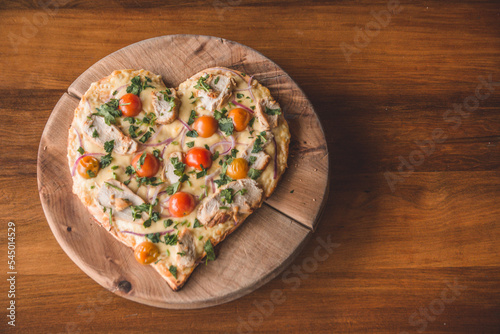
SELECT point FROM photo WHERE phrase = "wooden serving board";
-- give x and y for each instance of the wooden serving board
(259, 250)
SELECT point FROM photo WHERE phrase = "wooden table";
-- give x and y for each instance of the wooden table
(409, 240)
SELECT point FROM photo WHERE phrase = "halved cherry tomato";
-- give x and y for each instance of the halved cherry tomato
(199, 156)
(130, 105)
(206, 126)
(237, 169)
(146, 252)
(181, 204)
(88, 167)
(148, 168)
(240, 118)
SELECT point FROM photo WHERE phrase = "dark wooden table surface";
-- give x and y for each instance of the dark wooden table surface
(408, 94)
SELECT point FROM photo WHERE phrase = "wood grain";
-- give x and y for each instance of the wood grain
(396, 250)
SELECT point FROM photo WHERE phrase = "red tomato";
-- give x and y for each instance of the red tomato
(181, 204)
(206, 126)
(199, 156)
(240, 118)
(130, 105)
(150, 166)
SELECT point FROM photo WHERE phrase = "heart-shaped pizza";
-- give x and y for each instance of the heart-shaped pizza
(170, 172)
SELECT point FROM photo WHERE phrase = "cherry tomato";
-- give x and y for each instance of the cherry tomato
(130, 105)
(146, 252)
(240, 118)
(181, 204)
(88, 167)
(206, 126)
(150, 166)
(199, 156)
(237, 169)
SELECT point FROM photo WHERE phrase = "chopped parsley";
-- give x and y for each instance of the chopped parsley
(202, 85)
(254, 173)
(234, 152)
(259, 142)
(250, 123)
(270, 111)
(197, 223)
(224, 179)
(136, 85)
(129, 170)
(156, 154)
(81, 150)
(202, 173)
(239, 95)
(131, 120)
(173, 271)
(190, 144)
(216, 80)
(140, 162)
(168, 222)
(251, 159)
(106, 160)
(109, 111)
(171, 239)
(90, 173)
(109, 145)
(209, 249)
(154, 237)
(215, 155)
(192, 134)
(226, 125)
(227, 196)
(95, 134)
(179, 166)
(132, 131)
(192, 116)
(113, 186)
(169, 99)
(148, 181)
(241, 191)
(146, 136)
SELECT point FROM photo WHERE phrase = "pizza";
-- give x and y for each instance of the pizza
(171, 172)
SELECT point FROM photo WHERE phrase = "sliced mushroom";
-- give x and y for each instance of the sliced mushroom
(220, 91)
(186, 249)
(214, 211)
(166, 106)
(117, 196)
(267, 112)
(99, 132)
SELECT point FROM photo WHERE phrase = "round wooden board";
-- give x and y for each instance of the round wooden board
(259, 250)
